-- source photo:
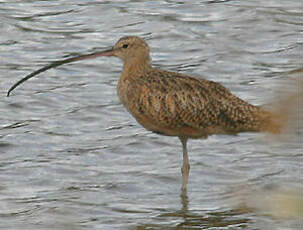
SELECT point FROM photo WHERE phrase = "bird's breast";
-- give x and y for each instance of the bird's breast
(124, 91)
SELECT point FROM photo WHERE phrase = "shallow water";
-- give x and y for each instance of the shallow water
(71, 157)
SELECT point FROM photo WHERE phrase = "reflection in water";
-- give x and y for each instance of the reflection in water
(188, 219)
(184, 201)
(283, 203)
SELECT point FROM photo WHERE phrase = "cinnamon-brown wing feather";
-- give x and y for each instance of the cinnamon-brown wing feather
(179, 105)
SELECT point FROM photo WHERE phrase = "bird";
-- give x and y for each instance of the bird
(175, 104)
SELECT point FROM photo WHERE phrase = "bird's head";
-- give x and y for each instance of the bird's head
(132, 50)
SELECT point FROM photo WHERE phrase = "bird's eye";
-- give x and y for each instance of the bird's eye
(125, 46)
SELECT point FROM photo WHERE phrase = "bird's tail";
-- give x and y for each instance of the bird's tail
(287, 112)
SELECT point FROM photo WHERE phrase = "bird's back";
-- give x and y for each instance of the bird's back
(179, 105)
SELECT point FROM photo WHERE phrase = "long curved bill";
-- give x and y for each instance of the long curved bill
(109, 52)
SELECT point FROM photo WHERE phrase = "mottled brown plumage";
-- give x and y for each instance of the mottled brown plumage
(174, 104)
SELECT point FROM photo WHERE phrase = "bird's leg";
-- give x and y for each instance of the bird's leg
(185, 166)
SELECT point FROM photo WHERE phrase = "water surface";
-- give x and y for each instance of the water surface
(71, 157)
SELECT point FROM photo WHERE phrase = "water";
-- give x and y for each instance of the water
(71, 157)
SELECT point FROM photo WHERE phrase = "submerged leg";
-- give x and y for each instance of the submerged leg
(185, 166)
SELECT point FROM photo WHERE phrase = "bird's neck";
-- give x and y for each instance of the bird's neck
(136, 66)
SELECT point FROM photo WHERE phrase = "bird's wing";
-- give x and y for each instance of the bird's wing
(167, 101)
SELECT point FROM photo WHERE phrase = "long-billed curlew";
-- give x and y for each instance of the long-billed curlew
(174, 104)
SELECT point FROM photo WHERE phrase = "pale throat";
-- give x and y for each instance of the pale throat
(137, 64)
